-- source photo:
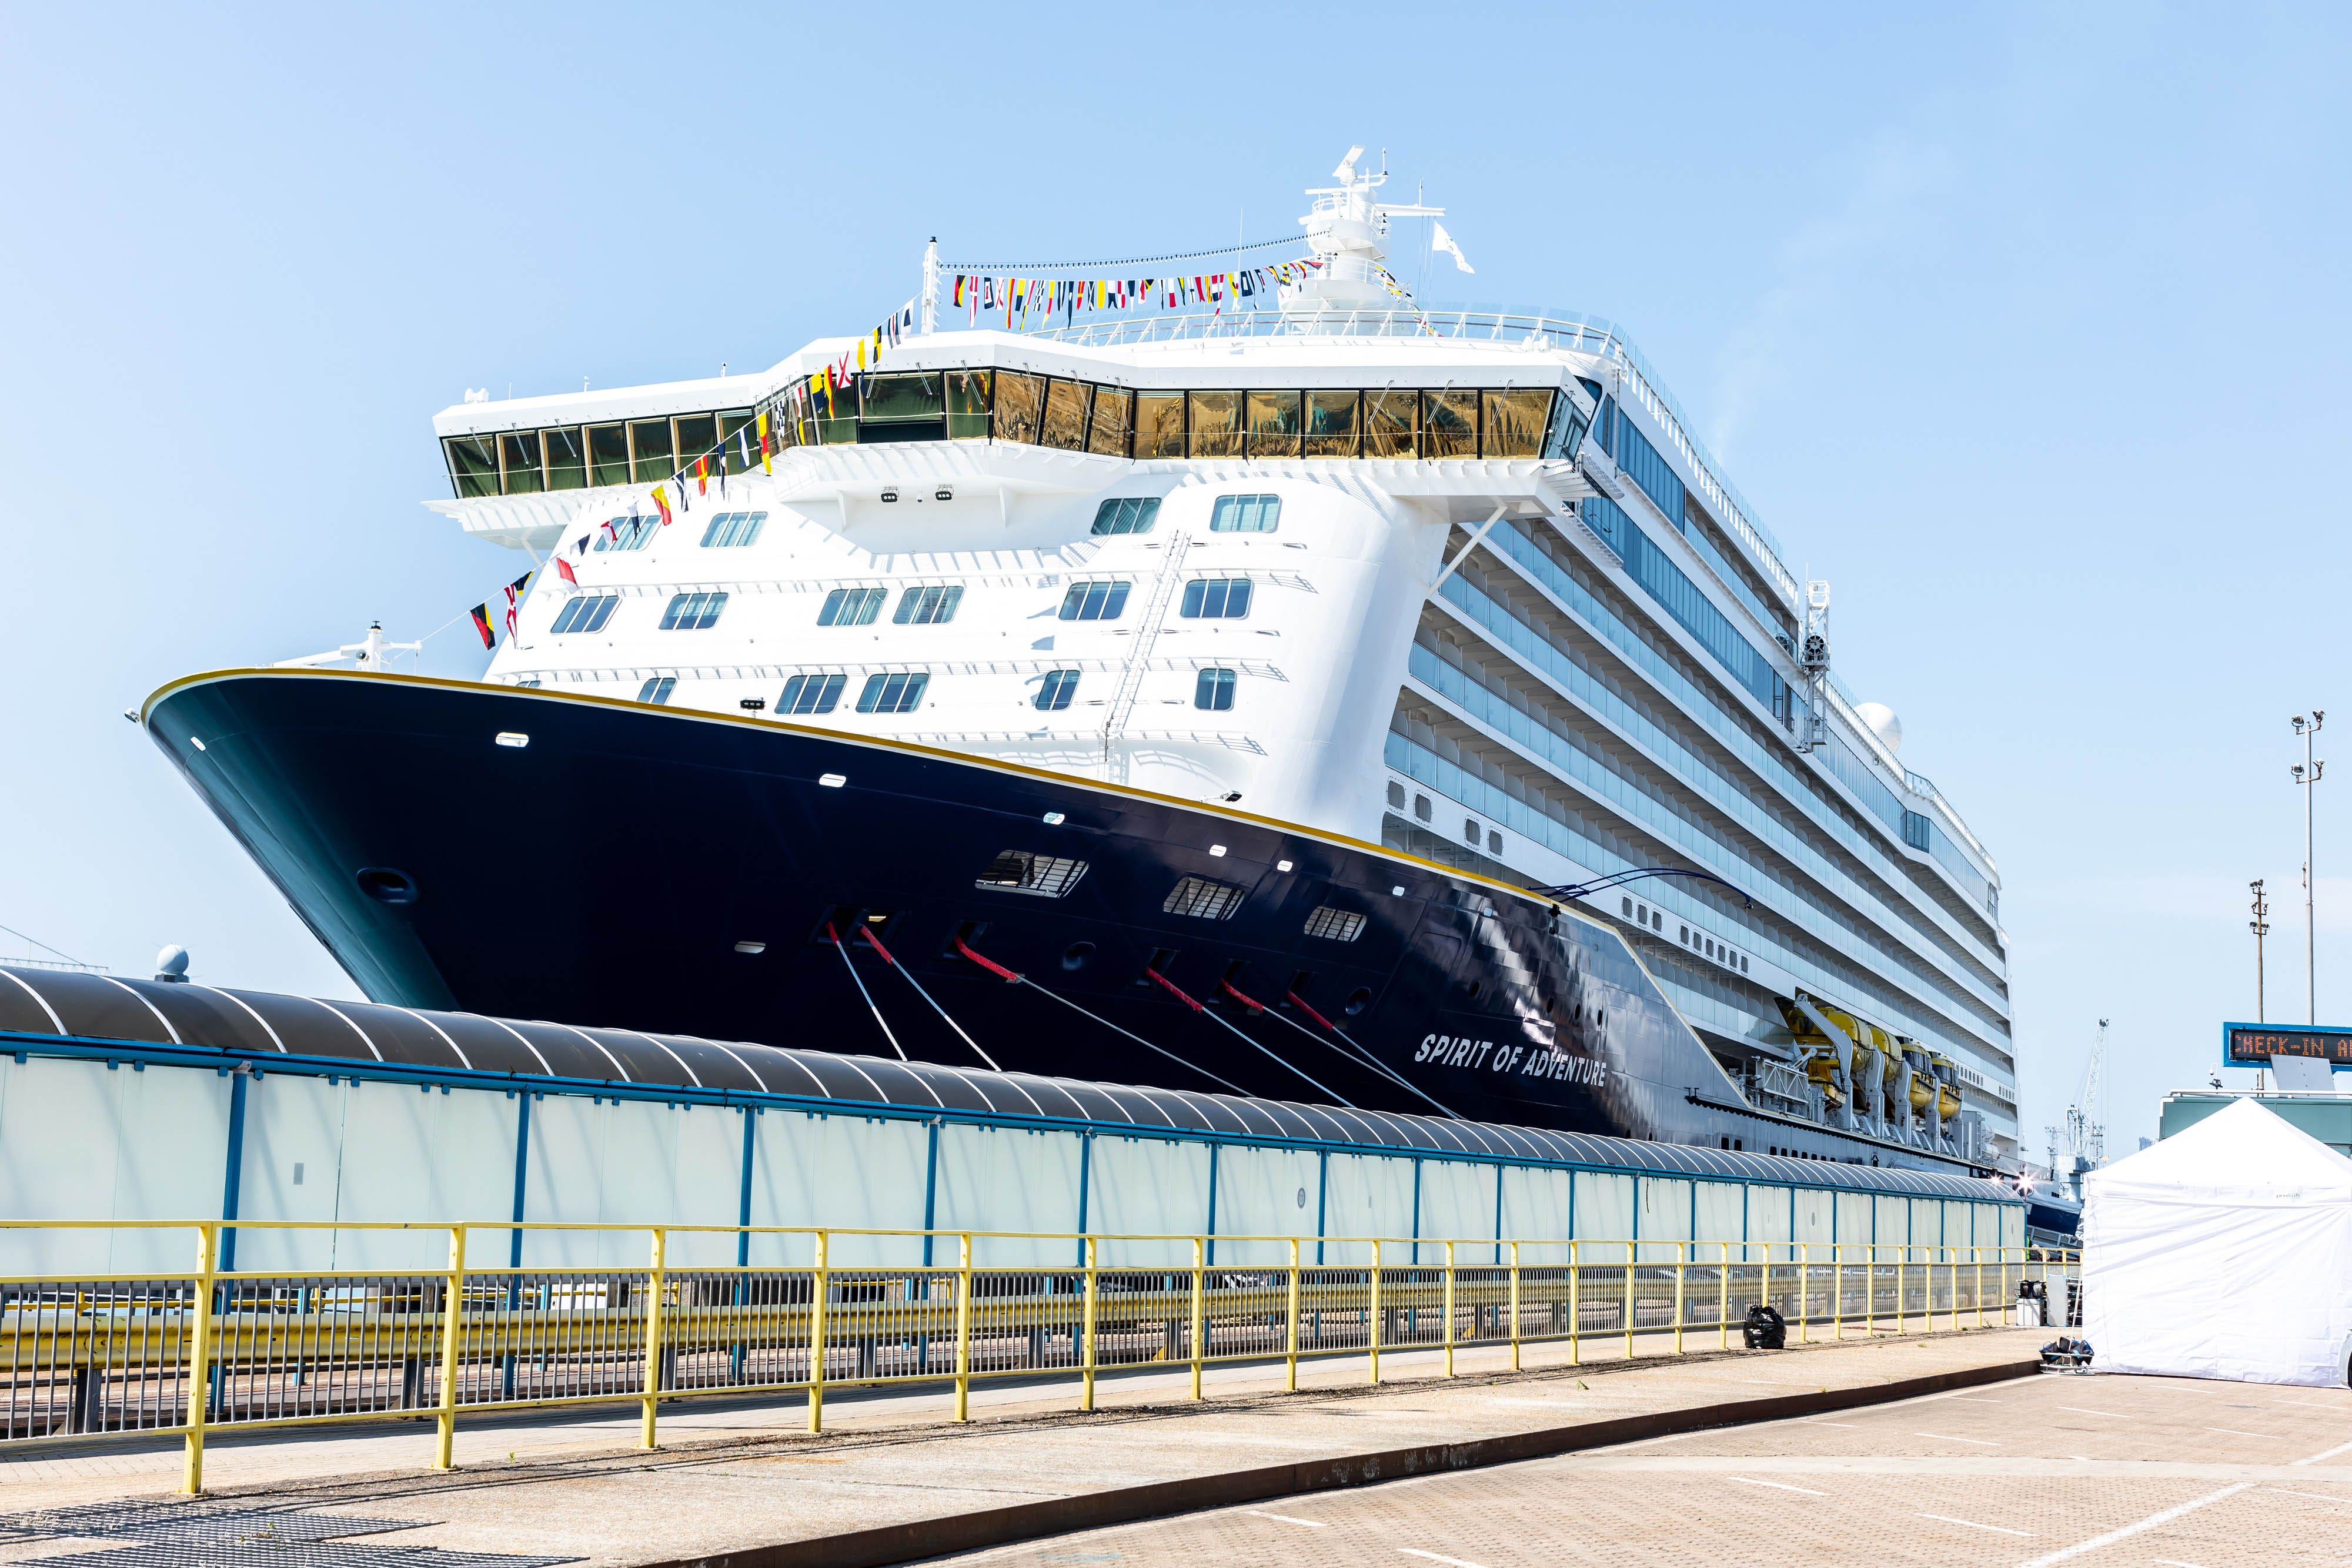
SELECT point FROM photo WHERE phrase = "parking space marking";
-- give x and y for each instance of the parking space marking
(2079, 1410)
(2172, 1562)
(1980, 1442)
(1972, 1524)
(2340, 1449)
(2233, 1432)
(1433, 1557)
(2166, 1517)
(1778, 1485)
(1309, 1523)
(2317, 1497)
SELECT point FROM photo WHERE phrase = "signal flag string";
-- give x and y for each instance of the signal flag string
(876, 942)
(855, 980)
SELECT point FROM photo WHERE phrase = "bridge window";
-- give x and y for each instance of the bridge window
(1066, 405)
(1020, 400)
(608, 453)
(927, 606)
(1114, 421)
(628, 533)
(811, 694)
(852, 606)
(567, 458)
(1392, 423)
(519, 451)
(732, 530)
(1335, 925)
(1160, 424)
(897, 693)
(1216, 599)
(587, 613)
(1018, 871)
(693, 612)
(473, 465)
(1449, 424)
(651, 451)
(1202, 899)
(1515, 423)
(1095, 601)
(1246, 515)
(967, 397)
(1272, 418)
(1216, 423)
(1212, 691)
(1331, 423)
(1054, 692)
(1127, 514)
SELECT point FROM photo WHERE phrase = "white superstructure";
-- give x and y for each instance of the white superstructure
(1458, 582)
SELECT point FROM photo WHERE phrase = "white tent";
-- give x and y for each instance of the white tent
(2222, 1252)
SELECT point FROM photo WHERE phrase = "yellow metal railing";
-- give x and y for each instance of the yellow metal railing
(92, 1357)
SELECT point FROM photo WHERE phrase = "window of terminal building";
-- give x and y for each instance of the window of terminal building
(1100, 601)
(733, 530)
(929, 606)
(1215, 599)
(587, 613)
(1246, 515)
(1056, 691)
(693, 612)
(852, 606)
(899, 692)
(1213, 690)
(1127, 514)
(658, 689)
(811, 694)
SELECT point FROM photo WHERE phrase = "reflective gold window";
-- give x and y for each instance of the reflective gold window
(1114, 417)
(1273, 423)
(567, 458)
(1392, 423)
(1066, 415)
(608, 455)
(1449, 424)
(1020, 400)
(1515, 423)
(1160, 424)
(650, 453)
(473, 465)
(967, 396)
(521, 450)
(1331, 424)
(1216, 423)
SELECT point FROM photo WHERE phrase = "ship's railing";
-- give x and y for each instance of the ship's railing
(1574, 332)
(765, 1313)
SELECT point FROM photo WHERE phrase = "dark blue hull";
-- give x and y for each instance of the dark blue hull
(611, 869)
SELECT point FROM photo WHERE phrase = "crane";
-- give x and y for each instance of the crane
(2084, 1142)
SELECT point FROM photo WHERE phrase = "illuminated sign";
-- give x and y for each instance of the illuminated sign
(2253, 1044)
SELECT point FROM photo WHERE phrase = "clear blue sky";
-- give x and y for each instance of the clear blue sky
(2025, 327)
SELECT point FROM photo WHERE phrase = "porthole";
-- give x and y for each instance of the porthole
(387, 885)
(1476, 987)
(1358, 1001)
(1077, 955)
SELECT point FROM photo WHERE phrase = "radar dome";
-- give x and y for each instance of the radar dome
(1883, 724)
(171, 963)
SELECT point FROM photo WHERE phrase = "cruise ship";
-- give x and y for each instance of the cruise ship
(1261, 681)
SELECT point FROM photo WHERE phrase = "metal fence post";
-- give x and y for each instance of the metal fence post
(1723, 1300)
(199, 1336)
(1291, 1376)
(1632, 1258)
(1089, 1361)
(963, 1327)
(1372, 1318)
(1837, 1289)
(1682, 1259)
(820, 1290)
(1449, 1308)
(657, 1282)
(453, 1301)
(1514, 1306)
(1575, 1308)
(1805, 1289)
(1200, 1311)
(1978, 1253)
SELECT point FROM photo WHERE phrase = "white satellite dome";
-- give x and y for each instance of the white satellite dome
(1883, 724)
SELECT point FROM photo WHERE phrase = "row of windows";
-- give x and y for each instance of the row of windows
(1052, 876)
(1696, 941)
(1116, 422)
(578, 457)
(1229, 515)
(1212, 691)
(1204, 599)
(725, 531)
(1426, 811)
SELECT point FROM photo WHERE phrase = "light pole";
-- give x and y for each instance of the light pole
(2261, 926)
(2306, 774)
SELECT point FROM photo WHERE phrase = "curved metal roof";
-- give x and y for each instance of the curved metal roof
(258, 1024)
